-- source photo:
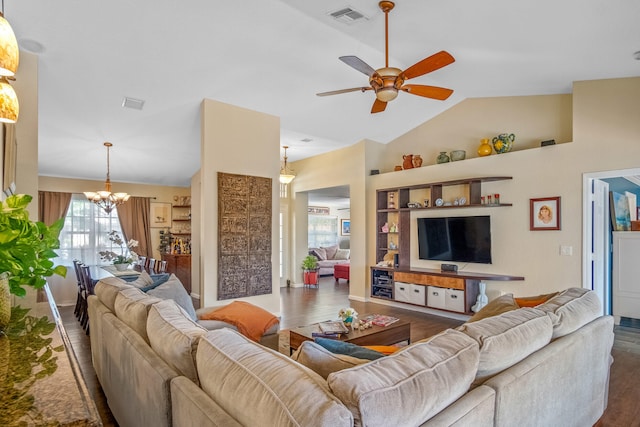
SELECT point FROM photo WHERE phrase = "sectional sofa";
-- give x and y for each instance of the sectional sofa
(541, 366)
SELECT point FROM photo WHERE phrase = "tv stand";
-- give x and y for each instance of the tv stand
(451, 291)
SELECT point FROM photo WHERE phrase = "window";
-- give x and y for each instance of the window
(85, 233)
(323, 230)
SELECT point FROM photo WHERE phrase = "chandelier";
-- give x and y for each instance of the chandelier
(106, 199)
(286, 173)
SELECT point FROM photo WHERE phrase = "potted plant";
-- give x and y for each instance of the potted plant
(26, 250)
(120, 261)
(310, 269)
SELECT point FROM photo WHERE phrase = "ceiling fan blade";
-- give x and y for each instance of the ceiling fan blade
(433, 92)
(427, 65)
(338, 92)
(378, 106)
(358, 64)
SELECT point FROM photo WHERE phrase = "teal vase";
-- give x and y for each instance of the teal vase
(443, 157)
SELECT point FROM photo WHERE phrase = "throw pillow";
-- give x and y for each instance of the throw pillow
(322, 361)
(251, 321)
(156, 280)
(141, 281)
(331, 251)
(319, 253)
(500, 305)
(534, 301)
(174, 289)
(342, 254)
(384, 349)
(346, 348)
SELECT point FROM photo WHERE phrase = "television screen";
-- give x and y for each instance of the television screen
(458, 239)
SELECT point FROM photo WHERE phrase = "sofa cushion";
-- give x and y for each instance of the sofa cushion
(319, 253)
(331, 251)
(342, 254)
(259, 386)
(252, 321)
(502, 304)
(508, 338)
(571, 309)
(132, 307)
(322, 361)
(174, 289)
(348, 349)
(106, 290)
(174, 336)
(411, 385)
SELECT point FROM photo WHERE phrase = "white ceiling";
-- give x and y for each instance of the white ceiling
(273, 56)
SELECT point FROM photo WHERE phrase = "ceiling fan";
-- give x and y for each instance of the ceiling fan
(387, 81)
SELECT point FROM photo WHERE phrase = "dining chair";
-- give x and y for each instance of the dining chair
(142, 261)
(89, 290)
(151, 267)
(161, 266)
(80, 284)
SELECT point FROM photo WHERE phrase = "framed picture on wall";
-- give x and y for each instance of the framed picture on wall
(160, 215)
(544, 214)
(620, 216)
(345, 227)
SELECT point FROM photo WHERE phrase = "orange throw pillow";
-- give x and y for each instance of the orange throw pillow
(251, 321)
(384, 349)
(534, 301)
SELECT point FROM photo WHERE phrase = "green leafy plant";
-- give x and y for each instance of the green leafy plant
(27, 247)
(310, 263)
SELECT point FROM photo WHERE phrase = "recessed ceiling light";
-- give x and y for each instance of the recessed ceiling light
(31, 45)
(306, 140)
(636, 56)
(136, 104)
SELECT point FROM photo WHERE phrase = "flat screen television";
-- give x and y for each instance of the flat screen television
(457, 239)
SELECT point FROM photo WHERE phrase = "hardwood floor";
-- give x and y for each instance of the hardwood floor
(302, 306)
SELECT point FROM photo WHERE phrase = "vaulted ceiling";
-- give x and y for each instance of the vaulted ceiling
(273, 56)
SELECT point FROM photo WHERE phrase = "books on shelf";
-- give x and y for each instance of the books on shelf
(380, 319)
(333, 327)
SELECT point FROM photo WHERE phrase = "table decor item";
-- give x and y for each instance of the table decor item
(457, 155)
(485, 148)
(417, 161)
(126, 257)
(503, 143)
(25, 253)
(407, 161)
(348, 316)
(442, 157)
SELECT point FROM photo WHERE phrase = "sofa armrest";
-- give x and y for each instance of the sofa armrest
(474, 409)
(192, 407)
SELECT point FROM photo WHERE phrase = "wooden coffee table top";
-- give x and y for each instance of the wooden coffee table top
(377, 335)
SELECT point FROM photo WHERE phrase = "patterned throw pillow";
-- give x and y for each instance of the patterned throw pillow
(319, 253)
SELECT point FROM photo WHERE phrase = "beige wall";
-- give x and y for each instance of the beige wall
(601, 116)
(240, 141)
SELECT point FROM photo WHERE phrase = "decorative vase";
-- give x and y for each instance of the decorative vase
(5, 301)
(407, 161)
(121, 267)
(457, 155)
(348, 321)
(417, 161)
(442, 157)
(397, 168)
(484, 149)
(503, 142)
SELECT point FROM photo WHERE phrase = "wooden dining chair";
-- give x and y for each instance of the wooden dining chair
(151, 265)
(89, 290)
(81, 291)
(142, 262)
(161, 266)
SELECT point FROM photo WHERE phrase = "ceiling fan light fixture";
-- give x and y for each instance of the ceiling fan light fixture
(387, 94)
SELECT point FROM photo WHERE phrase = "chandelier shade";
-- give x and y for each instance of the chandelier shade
(286, 174)
(9, 106)
(9, 51)
(105, 199)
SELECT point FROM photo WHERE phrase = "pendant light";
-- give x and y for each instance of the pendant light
(286, 174)
(9, 59)
(105, 198)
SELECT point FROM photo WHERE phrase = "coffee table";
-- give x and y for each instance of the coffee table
(377, 335)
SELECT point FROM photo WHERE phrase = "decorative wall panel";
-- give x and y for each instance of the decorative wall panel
(244, 235)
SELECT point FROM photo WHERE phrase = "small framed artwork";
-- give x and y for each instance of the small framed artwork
(345, 227)
(544, 214)
(318, 210)
(620, 215)
(160, 215)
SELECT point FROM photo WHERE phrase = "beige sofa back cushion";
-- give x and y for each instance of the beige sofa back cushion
(107, 289)
(508, 338)
(261, 387)
(174, 336)
(411, 385)
(571, 309)
(132, 307)
(322, 361)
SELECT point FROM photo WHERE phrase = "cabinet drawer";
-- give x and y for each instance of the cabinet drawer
(426, 279)
(436, 297)
(417, 294)
(454, 300)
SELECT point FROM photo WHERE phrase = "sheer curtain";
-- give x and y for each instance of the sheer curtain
(52, 206)
(135, 219)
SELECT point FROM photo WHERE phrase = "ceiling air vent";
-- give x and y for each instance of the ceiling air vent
(136, 104)
(347, 15)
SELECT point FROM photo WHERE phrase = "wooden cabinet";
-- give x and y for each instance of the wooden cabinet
(180, 265)
(449, 291)
(394, 206)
